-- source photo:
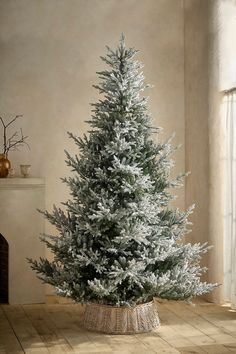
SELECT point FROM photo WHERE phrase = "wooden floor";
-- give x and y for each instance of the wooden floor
(203, 328)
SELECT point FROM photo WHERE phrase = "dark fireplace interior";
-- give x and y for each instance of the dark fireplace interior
(4, 254)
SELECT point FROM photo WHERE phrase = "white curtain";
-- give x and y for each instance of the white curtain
(230, 200)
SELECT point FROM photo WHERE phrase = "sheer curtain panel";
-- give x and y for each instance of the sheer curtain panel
(230, 199)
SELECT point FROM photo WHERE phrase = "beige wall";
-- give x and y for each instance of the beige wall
(204, 131)
(196, 115)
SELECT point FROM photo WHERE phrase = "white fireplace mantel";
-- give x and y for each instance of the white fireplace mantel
(21, 225)
(21, 183)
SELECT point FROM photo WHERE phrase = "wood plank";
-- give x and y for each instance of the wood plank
(53, 340)
(155, 342)
(204, 326)
(67, 321)
(24, 330)
(173, 337)
(59, 329)
(214, 349)
(194, 319)
(231, 347)
(8, 341)
(222, 318)
(193, 336)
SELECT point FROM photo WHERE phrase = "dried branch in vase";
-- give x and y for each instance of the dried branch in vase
(16, 140)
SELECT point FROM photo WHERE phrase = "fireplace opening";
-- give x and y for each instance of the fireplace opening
(4, 271)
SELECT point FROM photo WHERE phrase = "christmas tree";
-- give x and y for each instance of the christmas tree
(119, 240)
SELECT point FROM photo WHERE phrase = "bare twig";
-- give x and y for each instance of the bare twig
(4, 135)
(2, 121)
(12, 138)
(13, 120)
(12, 143)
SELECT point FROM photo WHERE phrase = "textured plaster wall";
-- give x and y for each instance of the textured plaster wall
(196, 116)
(204, 130)
(49, 55)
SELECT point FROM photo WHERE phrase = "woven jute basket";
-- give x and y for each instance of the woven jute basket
(121, 320)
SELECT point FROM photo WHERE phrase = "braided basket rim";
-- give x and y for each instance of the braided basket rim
(149, 303)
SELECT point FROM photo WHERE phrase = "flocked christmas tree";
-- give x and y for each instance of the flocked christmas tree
(119, 241)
